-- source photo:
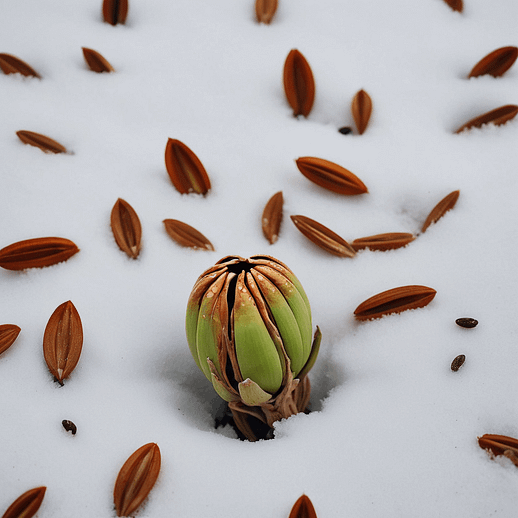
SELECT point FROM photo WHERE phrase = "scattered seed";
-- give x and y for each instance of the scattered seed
(299, 84)
(466, 322)
(345, 130)
(69, 426)
(458, 362)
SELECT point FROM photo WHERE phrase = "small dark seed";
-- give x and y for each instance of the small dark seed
(345, 130)
(457, 363)
(466, 322)
(69, 426)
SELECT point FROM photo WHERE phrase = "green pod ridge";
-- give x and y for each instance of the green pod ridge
(256, 352)
(252, 394)
(208, 328)
(285, 321)
(298, 307)
(315, 348)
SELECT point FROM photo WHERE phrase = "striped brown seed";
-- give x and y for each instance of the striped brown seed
(136, 478)
(500, 445)
(63, 341)
(126, 228)
(323, 237)
(395, 300)
(303, 508)
(8, 334)
(456, 5)
(496, 63)
(389, 241)
(272, 217)
(36, 253)
(467, 322)
(41, 141)
(330, 176)
(96, 62)
(498, 116)
(26, 505)
(185, 235)
(265, 10)
(446, 204)
(12, 65)
(115, 11)
(361, 108)
(185, 169)
(458, 362)
(299, 84)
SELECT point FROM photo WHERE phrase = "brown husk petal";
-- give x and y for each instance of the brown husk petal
(41, 141)
(272, 217)
(389, 241)
(299, 84)
(446, 204)
(498, 116)
(8, 334)
(26, 505)
(115, 11)
(496, 63)
(126, 228)
(12, 65)
(185, 235)
(456, 5)
(303, 508)
(96, 62)
(499, 444)
(265, 10)
(361, 108)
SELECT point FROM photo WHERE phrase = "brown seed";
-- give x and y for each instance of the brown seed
(299, 84)
(323, 237)
(44, 143)
(126, 228)
(446, 204)
(69, 426)
(272, 217)
(36, 253)
(361, 108)
(498, 116)
(496, 63)
(115, 11)
(395, 300)
(466, 322)
(63, 341)
(185, 235)
(456, 5)
(26, 505)
(458, 362)
(13, 65)
(136, 479)
(185, 169)
(96, 62)
(389, 241)
(330, 176)
(265, 10)
(303, 508)
(499, 444)
(8, 334)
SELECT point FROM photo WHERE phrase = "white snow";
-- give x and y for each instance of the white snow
(393, 431)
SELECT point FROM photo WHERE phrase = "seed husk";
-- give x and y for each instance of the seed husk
(272, 217)
(498, 116)
(265, 10)
(303, 508)
(96, 62)
(466, 322)
(26, 505)
(8, 334)
(299, 84)
(187, 236)
(456, 5)
(126, 228)
(115, 11)
(496, 63)
(499, 445)
(69, 426)
(41, 141)
(361, 108)
(458, 362)
(395, 300)
(12, 65)
(389, 241)
(446, 204)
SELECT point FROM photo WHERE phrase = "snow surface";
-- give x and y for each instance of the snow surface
(393, 431)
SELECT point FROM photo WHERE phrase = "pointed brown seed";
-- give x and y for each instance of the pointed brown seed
(458, 362)
(26, 505)
(272, 217)
(389, 241)
(299, 84)
(395, 300)
(361, 108)
(456, 5)
(265, 10)
(323, 237)
(496, 63)
(13, 65)
(96, 62)
(8, 334)
(44, 143)
(185, 235)
(115, 11)
(498, 116)
(185, 169)
(126, 228)
(136, 479)
(63, 341)
(303, 508)
(330, 176)
(499, 444)
(69, 426)
(466, 322)
(446, 204)
(36, 253)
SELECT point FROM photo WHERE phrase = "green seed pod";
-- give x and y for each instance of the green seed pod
(249, 329)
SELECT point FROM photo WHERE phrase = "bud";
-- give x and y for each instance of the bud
(249, 330)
